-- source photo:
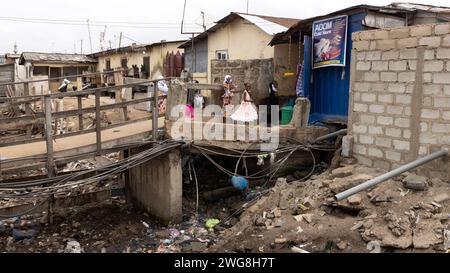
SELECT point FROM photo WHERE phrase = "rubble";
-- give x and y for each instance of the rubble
(415, 182)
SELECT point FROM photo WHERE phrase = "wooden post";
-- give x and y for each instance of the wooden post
(155, 113)
(26, 90)
(80, 116)
(118, 80)
(98, 122)
(49, 136)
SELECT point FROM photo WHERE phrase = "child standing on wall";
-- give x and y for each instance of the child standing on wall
(229, 89)
(246, 112)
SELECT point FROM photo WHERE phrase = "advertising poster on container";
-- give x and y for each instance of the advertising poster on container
(330, 42)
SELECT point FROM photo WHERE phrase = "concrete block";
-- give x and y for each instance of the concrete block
(356, 36)
(429, 54)
(376, 108)
(396, 88)
(394, 110)
(427, 101)
(430, 114)
(361, 86)
(388, 76)
(386, 98)
(447, 90)
(383, 142)
(412, 65)
(399, 33)
(397, 65)
(403, 122)
(386, 44)
(380, 65)
(383, 120)
(359, 107)
(441, 102)
(434, 41)
(359, 129)
(432, 89)
(401, 145)
(377, 87)
(407, 134)
(375, 130)
(446, 41)
(393, 132)
(403, 99)
(410, 53)
(433, 66)
(428, 138)
(361, 45)
(393, 156)
(407, 43)
(382, 164)
(443, 53)
(390, 55)
(406, 77)
(446, 115)
(361, 56)
(373, 56)
(423, 127)
(441, 78)
(381, 35)
(375, 152)
(364, 161)
(367, 119)
(347, 146)
(363, 66)
(368, 97)
(366, 139)
(440, 128)
(421, 30)
(366, 35)
(441, 29)
(360, 149)
(428, 77)
(372, 76)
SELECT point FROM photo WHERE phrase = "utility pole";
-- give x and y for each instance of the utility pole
(203, 20)
(15, 48)
(247, 5)
(81, 48)
(89, 31)
(120, 40)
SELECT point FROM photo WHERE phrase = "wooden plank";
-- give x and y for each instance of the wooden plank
(26, 91)
(98, 122)
(49, 137)
(80, 116)
(155, 112)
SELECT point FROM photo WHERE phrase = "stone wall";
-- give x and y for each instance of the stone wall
(400, 96)
(258, 72)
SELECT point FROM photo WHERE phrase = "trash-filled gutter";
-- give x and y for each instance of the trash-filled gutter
(391, 174)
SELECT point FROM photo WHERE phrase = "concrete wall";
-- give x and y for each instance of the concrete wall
(156, 53)
(400, 96)
(259, 73)
(285, 62)
(243, 40)
(156, 187)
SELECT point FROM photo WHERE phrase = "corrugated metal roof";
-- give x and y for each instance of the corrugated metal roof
(133, 48)
(421, 7)
(268, 27)
(55, 58)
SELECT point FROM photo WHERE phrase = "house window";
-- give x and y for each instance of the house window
(124, 63)
(222, 54)
(108, 64)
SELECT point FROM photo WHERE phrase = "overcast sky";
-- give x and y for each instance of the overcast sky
(162, 19)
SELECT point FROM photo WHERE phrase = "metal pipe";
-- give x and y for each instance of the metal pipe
(391, 174)
(337, 133)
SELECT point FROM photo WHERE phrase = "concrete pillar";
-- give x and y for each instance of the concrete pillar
(156, 187)
(300, 117)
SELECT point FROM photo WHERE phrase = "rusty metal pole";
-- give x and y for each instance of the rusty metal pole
(155, 113)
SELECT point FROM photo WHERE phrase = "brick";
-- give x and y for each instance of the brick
(375, 130)
(388, 76)
(365, 139)
(401, 145)
(390, 55)
(412, 65)
(360, 129)
(363, 66)
(442, 29)
(361, 45)
(446, 41)
(393, 132)
(375, 152)
(386, 98)
(376, 108)
(397, 88)
(430, 113)
(433, 66)
(406, 77)
(359, 107)
(443, 53)
(441, 102)
(383, 142)
(403, 99)
(394, 156)
(373, 55)
(407, 43)
(408, 53)
(381, 35)
(361, 86)
(403, 122)
(394, 110)
(398, 33)
(407, 133)
(430, 89)
(367, 119)
(422, 30)
(397, 65)
(429, 54)
(386, 44)
(382, 120)
(430, 41)
(372, 76)
(441, 78)
(440, 128)
(359, 149)
(380, 66)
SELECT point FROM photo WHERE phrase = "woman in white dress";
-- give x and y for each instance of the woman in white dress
(246, 112)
